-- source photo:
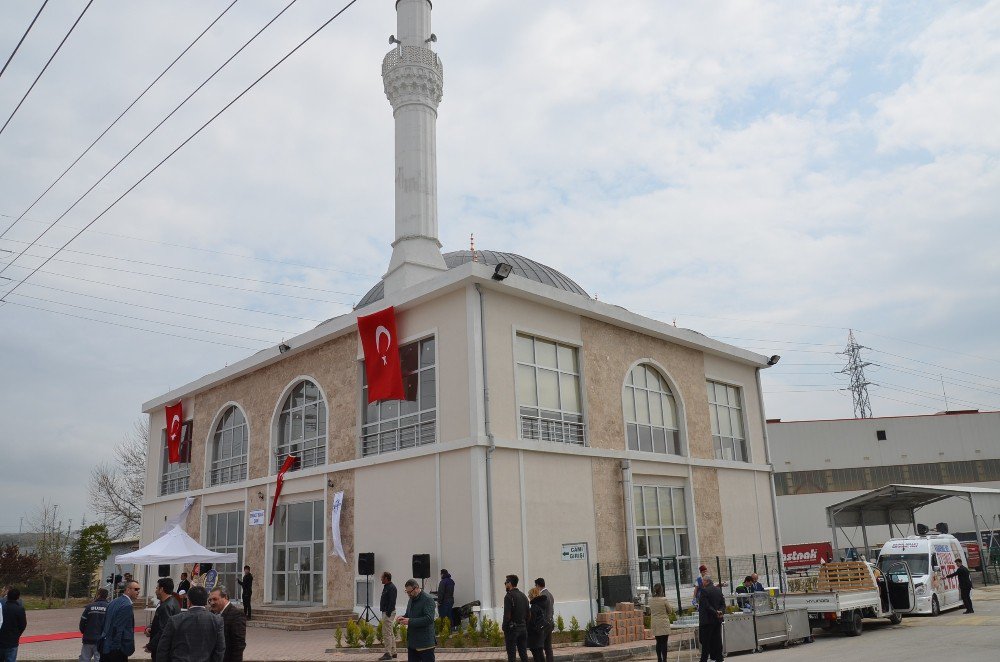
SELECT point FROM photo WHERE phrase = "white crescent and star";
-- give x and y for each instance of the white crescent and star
(379, 332)
(175, 426)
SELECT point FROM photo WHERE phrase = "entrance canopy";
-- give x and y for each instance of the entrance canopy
(896, 505)
(174, 546)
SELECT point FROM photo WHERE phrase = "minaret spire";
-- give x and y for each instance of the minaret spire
(414, 82)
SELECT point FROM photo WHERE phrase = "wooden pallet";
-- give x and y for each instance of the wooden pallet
(845, 576)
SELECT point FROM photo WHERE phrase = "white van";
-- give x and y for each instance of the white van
(929, 559)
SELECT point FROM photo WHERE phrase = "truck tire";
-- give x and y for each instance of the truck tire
(855, 625)
(896, 618)
(935, 607)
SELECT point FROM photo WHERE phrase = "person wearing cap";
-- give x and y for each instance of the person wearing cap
(702, 571)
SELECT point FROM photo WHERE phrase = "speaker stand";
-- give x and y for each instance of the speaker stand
(367, 614)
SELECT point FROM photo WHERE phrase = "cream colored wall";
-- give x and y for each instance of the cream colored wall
(746, 512)
(737, 374)
(508, 542)
(504, 316)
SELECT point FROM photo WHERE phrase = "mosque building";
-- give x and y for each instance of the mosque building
(536, 418)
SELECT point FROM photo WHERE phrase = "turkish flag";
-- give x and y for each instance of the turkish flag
(175, 432)
(381, 347)
(289, 462)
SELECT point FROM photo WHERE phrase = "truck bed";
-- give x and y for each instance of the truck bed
(832, 601)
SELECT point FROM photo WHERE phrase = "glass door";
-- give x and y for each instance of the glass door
(297, 554)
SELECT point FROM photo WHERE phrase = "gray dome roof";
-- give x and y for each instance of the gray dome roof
(536, 271)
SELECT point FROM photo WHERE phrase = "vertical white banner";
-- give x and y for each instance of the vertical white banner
(338, 504)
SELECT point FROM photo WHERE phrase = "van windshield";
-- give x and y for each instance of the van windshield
(918, 563)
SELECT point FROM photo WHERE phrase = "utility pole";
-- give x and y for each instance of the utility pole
(856, 370)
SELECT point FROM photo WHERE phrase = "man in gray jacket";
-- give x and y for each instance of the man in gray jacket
(550, 622)
(195, 635)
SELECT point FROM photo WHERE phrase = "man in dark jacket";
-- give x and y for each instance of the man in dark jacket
(195, 635)
(711, 610)
(118, 636)
(247, 585)
(234, 624)
(964, 585)
(387, 605)
(446, 598)
(183, 586)
(550, 620)
(91, 626)
(515, 619)
(419, 618)
(167, 609)
(14, 623)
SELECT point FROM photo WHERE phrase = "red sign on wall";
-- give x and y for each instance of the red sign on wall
(808, 554)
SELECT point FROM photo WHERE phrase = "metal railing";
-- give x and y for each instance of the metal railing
(547, 429)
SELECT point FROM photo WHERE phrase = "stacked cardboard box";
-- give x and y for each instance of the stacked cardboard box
(626, 623)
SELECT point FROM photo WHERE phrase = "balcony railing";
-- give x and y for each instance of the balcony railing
(546, 429)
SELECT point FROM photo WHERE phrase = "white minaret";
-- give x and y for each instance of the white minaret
(414, 82)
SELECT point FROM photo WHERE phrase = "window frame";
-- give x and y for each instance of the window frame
(714, 422)
(423, 416)
(564, 423)
(175, 481)
(239, 548)
(211, 460)
(678, 411)
(277, 454)
(639, 489)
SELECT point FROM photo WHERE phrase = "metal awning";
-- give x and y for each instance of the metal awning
(896, 505)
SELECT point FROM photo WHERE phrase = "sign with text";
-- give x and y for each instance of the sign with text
(574, 551)
(256, 518)
(805, 555)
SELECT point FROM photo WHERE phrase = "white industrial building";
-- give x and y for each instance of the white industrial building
(820, 463)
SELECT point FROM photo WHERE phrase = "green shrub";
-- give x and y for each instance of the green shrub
(353, 634)
(560, 623)
(402, 634)
(367, 634)
(574, 629)
(459, 640)
(338, 634)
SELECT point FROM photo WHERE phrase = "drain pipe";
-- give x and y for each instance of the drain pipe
(770, 477)
(630, 549)
(489, 450)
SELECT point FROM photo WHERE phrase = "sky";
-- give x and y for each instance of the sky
(771, 174)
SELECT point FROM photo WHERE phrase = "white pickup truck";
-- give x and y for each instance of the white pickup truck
(848, 592)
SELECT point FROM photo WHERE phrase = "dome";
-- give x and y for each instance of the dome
(522, 266)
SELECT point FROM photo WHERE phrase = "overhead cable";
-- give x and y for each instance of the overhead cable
(21, 40)
(122, 114)
(52, 57)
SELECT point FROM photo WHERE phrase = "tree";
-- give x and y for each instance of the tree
(91, 546)
(117, 487)
(52, 547)
(16, 567)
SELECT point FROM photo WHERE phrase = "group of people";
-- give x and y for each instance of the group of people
(527, 619)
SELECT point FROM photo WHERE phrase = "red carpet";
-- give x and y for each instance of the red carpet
(57, 636)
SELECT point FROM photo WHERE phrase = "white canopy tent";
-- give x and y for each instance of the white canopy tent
(175, 546)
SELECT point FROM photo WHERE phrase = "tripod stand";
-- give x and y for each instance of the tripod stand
(367, 614)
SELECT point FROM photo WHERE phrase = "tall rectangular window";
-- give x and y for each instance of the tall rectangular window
(176, 477)
(725, 410)
(548, 391)
(225, 535)
(660, 518)
(394, 425)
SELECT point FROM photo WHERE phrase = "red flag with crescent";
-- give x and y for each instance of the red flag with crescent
(380, 344)
(288, 463)
(175, 432)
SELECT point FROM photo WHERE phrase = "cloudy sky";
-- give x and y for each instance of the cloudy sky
(768, 173)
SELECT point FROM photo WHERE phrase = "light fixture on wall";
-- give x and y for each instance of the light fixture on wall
(502, 271)
(260, 495)
(282, 348)
(773, 360)
(329, 483)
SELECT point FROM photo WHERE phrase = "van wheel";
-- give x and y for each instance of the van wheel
(896, 618)
(856, 625)
(935, 607)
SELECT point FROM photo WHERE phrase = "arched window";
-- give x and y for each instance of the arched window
(650, 412)
(229, 448)
(302, 427)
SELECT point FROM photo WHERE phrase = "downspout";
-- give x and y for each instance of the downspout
(767, 459)
(630, 550)
(489, 450)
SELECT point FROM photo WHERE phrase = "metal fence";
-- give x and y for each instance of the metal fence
(634, 580)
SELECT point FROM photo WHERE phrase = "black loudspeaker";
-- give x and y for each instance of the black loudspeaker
(163, 570)
(366, 563)
(421, 566)
(941, 527)
(205, 567)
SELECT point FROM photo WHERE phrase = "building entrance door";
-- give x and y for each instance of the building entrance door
(297, 554)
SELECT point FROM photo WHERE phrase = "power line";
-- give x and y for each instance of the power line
(146, 137)
(913, 391)
(169, 266)
(972, 386)
(128, 326)
(933, 365)
(174, 245)
(21, 40)
(142, 319)
(122, 114)
(185, 142)
(175, 278)
(35, 82)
